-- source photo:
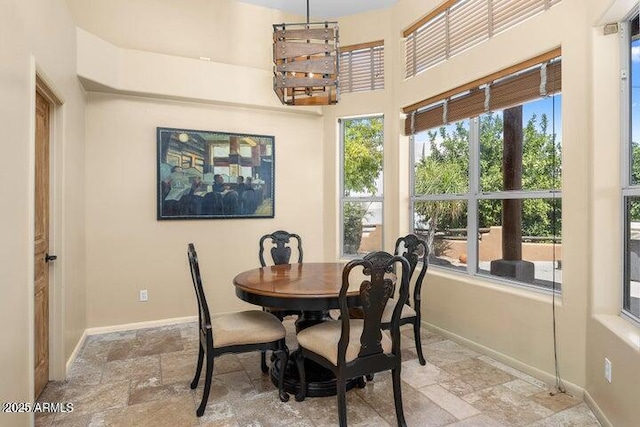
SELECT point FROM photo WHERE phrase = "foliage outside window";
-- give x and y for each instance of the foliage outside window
(508, 199)
(631, 161)
(361, 184)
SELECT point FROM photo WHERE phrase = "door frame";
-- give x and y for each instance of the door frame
(57, 364)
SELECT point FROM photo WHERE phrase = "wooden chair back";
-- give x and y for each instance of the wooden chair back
(375, 291)
(414, 250)
(281, 250)
(203, 308)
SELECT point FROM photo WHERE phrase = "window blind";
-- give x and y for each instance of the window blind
(467, 25)
(425, 47)
(528, 80)
(457, 25)
(362, 67)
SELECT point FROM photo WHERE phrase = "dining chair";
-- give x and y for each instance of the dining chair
(281, 250)
(241, 332)
(414, 250)
(280, 253)
(353, 348)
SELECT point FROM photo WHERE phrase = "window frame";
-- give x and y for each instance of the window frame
(628, 189)
(473, 196)
(355, 199)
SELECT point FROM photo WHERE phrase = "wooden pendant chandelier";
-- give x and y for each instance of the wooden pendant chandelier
(305, 58)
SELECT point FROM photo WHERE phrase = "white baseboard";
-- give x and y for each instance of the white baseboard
(536, 373)
(75, 352)
(596, 410)
(140, 325)
(122, 327)
(500, 357)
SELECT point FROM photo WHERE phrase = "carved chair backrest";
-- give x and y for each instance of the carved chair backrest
(375, 290)
(281, 250)
(414, 250)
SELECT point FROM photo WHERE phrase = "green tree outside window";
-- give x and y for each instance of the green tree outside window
(363, 156)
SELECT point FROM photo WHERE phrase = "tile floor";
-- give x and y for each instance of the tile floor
(141, 378)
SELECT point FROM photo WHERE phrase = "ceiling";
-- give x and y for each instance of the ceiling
(323, 9)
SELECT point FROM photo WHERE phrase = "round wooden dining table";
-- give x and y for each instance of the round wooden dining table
(312, 288)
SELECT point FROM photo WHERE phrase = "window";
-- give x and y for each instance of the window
(487, 186)
(631, 164)
(457, 25)
(362, 67)
(361, 148)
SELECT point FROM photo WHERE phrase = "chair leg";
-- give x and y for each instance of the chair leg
(416, 333)
(196, 378)
(302, 393)
(207, 385)
(263, 361)
(341, 392)
(282, 358)
(397, 396)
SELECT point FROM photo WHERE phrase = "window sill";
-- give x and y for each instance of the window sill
(624, 329)
(502, 286)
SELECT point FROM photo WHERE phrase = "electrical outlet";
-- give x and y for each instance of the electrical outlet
(607, 369)
(143, 295)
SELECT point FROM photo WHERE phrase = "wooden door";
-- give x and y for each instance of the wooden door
(41, 244)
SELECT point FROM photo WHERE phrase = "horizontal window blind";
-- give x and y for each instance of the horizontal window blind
(525, 87)
(457, 25)
(535, 78)
(507, 13)
(467, 25)
(362, 67)
(470, 104)
(425, 47)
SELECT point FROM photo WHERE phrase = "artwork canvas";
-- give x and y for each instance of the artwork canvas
(214, 175)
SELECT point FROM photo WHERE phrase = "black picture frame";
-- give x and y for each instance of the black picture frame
(214, 175)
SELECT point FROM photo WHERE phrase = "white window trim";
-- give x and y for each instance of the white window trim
(348, 199)
(473, 196)
(628, 190)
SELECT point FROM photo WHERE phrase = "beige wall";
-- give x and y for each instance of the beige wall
(148, 86)
(609, 335)
(127, 249)
(512, 324)
(38, 35)
(474, 309)
(213, 29)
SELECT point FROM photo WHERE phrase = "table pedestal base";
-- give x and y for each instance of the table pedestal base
(320, 381)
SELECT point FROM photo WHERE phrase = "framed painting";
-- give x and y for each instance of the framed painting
(214, 175)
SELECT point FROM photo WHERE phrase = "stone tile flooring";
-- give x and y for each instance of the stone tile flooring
(141, 378)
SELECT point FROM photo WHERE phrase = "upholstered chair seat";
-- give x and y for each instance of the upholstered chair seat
(352, 348)
(246, 327)
(243, 332)
(323, 339)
